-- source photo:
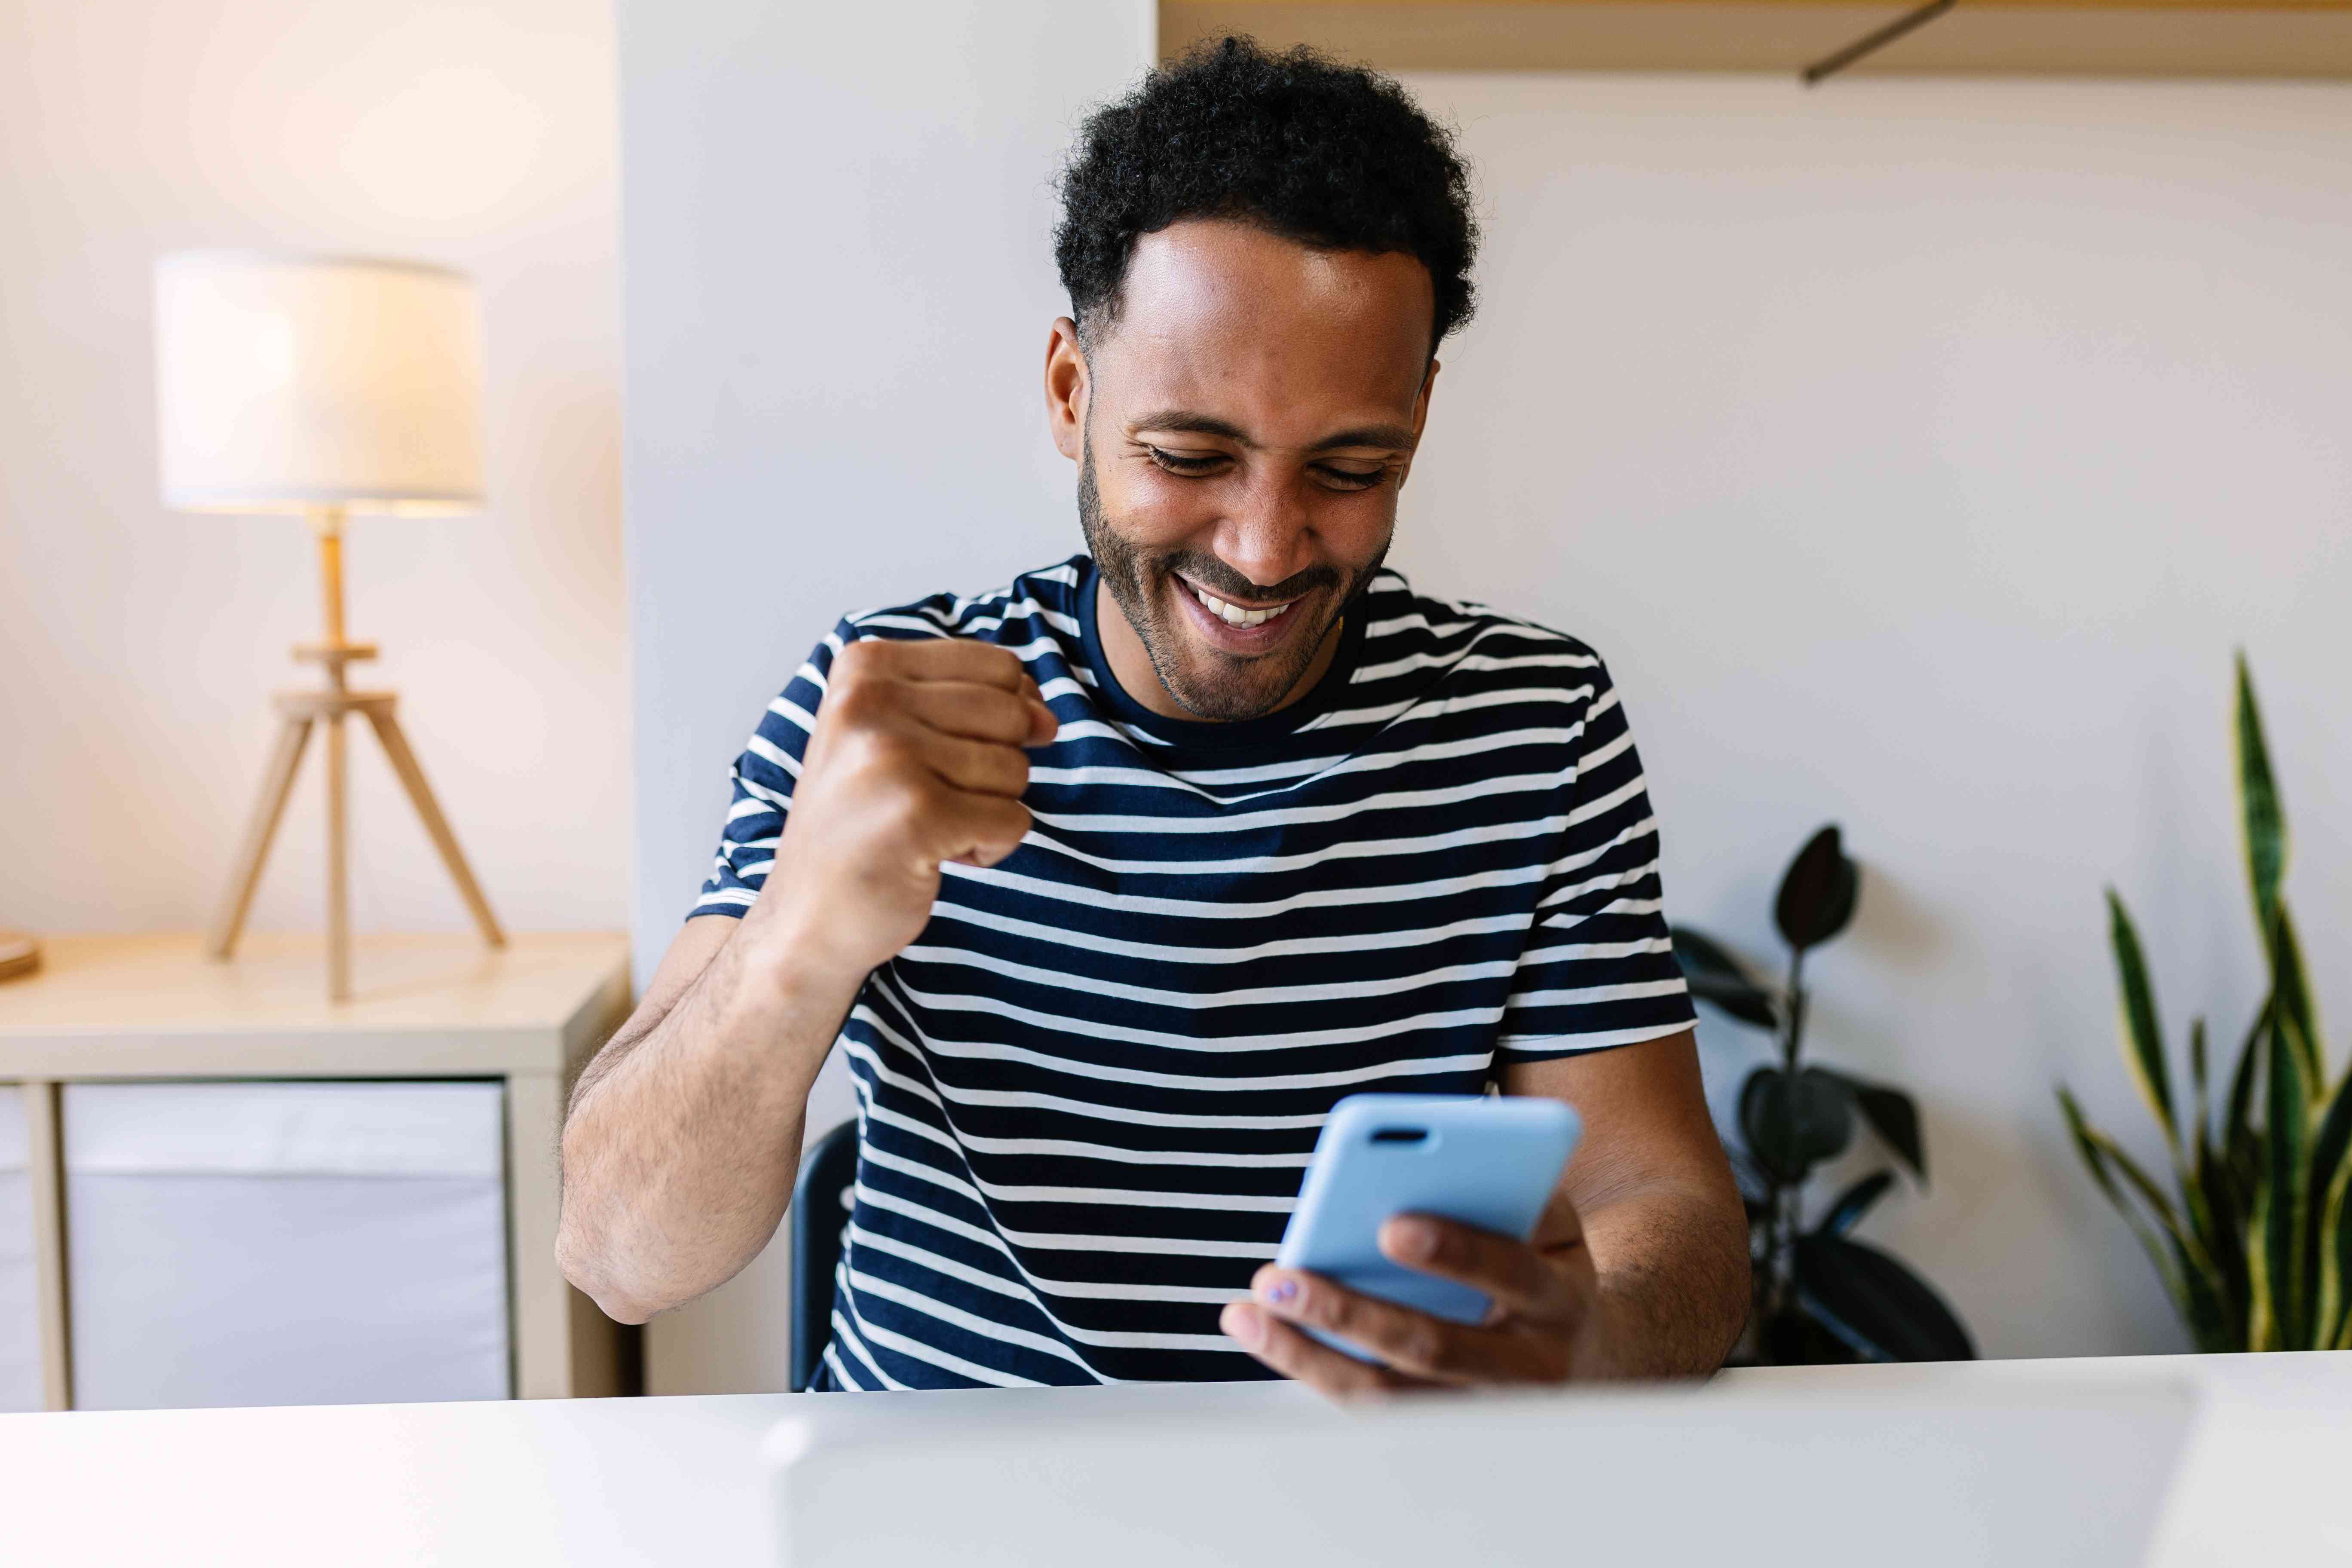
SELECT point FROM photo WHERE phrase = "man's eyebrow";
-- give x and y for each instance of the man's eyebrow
(1397, 438)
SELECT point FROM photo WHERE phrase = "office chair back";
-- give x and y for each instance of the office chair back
(820, 1220)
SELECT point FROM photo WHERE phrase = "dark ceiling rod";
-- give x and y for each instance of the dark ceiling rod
(1870, 44)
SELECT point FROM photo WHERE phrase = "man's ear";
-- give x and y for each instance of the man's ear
(1067, 383)
(1420, 417)
(1420, 401)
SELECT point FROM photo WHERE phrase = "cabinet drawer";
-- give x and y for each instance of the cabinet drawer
(20, 1324)
(286, 1243)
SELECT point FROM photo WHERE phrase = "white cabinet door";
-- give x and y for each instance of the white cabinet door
(20, 1327)
(285, 1242)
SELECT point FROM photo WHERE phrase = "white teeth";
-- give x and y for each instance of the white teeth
(1233, 616)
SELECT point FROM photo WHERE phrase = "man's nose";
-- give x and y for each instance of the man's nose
(1269, 534)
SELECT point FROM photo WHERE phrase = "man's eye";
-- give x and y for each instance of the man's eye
(1178, 463)
(1353, 478)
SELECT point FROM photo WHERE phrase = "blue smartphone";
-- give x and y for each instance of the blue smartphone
(1487, 1161)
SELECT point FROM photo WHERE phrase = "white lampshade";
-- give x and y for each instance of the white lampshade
(287, 382)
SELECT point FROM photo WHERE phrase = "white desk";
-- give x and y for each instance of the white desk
(590, 1482)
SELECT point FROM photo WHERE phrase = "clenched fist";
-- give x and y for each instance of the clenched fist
(916, 759)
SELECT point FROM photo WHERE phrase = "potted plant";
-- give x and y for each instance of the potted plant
(1821, 1294)
(2253, 1242)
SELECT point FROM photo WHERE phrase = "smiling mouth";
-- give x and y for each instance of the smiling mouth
(1234, 615)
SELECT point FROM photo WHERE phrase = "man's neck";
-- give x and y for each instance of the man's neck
(1132, 666)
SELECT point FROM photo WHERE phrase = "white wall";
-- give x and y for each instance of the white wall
(838, 285)
(1919, 451)
(138, 648)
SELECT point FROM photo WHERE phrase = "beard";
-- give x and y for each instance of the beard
(1208, 682)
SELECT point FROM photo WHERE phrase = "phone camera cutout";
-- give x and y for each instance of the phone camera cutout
(1401, 1135)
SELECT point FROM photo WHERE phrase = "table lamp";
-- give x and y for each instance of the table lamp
(324, 387)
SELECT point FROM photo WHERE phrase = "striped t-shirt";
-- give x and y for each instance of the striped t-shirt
(1087, 1092)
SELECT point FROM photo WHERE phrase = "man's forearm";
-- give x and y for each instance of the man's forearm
(682, 1141)
(1674, 1284)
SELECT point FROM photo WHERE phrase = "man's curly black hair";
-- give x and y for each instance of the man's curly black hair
(1326, 155)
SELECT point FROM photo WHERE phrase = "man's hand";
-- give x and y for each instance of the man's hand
(684, 1132)
(1638, 1269)
(916, 759)
(1542, 1325)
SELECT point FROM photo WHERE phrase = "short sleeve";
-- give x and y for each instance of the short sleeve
(762, 779)
(1599, 968)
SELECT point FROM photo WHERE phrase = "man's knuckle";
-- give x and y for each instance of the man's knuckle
(1328, 1308)
(902, 807)
(883, 751)
(1421, 1342)
(1452, 1249)
(858, 662)
(859, 701)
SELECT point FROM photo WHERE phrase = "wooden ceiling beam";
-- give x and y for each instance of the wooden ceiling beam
(2199, 38)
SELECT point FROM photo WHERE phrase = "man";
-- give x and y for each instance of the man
(1111, 883)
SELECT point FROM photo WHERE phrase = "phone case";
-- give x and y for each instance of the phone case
(1487, 1161)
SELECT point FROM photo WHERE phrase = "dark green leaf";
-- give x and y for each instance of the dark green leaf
(1697, 950)
(2087, 1144)
(2143, 1035)
(1792, 1124)
(2292, 989)
(1871, 1300)
(2264, 818)
(2328, 1147)
(1818, 892)
(2222, 1214)
(1741, 1000)
(2240, 1139)
(2139, 1181)
(2327, 1328)
(2343, 1245)
(2264, 822)
(2226, 1244)
(2287, 1129)
(1855, 1202)
(1716, 976)
(2205, 1302)
(2199, 1083)
(2262, 1331)
(2100, 1157)
(1893, 1115)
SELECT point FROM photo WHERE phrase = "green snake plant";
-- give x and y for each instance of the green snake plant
(2252, 1238)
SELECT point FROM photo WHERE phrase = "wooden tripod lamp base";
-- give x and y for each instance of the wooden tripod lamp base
(300, 713)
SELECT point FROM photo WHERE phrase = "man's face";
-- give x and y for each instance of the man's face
(1242, 431)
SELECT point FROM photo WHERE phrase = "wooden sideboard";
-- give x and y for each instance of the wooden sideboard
(422, 1007)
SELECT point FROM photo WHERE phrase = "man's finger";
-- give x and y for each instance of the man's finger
(980, 829)
(978, 767)
(1286, 1349)
(943, 659)
(972, 711)
(1513, 1272)
(1411, 1342)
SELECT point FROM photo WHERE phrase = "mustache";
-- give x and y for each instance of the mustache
(1221, 580)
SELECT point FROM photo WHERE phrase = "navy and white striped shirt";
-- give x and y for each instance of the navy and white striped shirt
(1087, 1093)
